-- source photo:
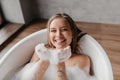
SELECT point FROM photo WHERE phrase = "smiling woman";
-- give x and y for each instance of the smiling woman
(88, 44)
(60, 33)
(72, 61)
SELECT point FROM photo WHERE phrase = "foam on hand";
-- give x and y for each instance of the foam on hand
(53, 55)
(60, 55)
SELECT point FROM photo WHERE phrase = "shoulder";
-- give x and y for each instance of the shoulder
(80, 60)
(84, 61)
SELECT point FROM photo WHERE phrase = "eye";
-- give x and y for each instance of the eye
(53, 30)
(64, 29)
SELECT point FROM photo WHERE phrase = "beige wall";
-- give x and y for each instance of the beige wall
(98, 11)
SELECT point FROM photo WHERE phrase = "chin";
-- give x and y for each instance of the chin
(60, 46)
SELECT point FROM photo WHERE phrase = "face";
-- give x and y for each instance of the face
(60, 34)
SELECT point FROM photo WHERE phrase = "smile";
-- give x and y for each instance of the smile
(59, 41)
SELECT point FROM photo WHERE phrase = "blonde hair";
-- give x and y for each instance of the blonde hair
(76, 32)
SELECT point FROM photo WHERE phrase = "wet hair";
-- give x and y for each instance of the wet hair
(76, 32)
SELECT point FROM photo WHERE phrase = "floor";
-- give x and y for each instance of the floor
(7, 31)
(108, 35)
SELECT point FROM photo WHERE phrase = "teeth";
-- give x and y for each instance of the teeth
(60, 40)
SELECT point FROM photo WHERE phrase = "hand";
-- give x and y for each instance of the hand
(64, 54)
(59, 55)
(54, 56)
(42, 52)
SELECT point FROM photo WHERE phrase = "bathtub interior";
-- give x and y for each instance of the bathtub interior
(21, 53)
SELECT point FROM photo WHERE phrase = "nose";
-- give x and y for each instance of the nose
(58, 33)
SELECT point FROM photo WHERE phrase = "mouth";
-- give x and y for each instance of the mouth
(60, 41)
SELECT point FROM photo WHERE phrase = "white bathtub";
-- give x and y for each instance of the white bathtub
(21, 53)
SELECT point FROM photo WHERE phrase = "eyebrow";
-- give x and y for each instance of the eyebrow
(52, 28)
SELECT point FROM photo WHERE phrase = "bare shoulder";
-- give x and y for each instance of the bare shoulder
(79, 60)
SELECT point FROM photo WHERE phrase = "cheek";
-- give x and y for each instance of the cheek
(51, 37)
(69, 37)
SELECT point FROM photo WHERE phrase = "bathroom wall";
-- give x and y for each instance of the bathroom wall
(26, 6)
(17, 11)
(12, 11)
(99, 11)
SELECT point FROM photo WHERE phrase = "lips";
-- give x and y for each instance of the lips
(59, 41)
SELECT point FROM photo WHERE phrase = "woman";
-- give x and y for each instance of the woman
(63, 37)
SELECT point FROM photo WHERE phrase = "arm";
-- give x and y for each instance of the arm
(42, 66)
(61, 71)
